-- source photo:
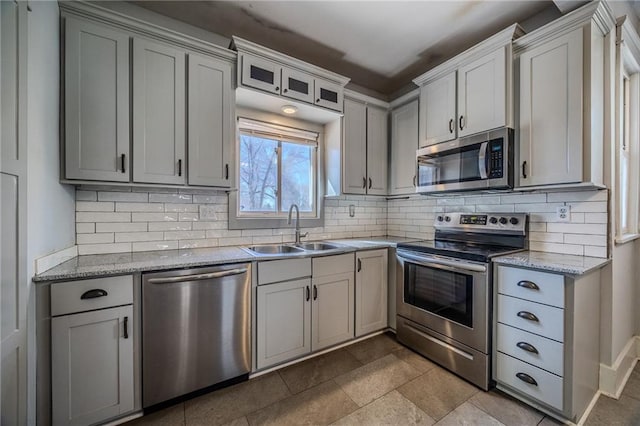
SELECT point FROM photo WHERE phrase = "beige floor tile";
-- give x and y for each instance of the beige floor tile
(468, 414)
(172, 416)
(317, 370)
(373, 380)
(415, 360)
(391, 409)
(320, 405)
(506, 409)
(610, 412)
(632, 388)
(438, 392)
(222, 406)
(374, 348)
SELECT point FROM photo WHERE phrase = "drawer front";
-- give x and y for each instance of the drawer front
(548, 322)
(98, 293)
(274, 271)
(331, 265)
(536, 286)
(528, 347)
(548, 388)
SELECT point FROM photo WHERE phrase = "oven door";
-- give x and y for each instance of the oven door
(446, 295)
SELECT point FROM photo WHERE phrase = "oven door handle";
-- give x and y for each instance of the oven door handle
(482, 160)
(442, 263)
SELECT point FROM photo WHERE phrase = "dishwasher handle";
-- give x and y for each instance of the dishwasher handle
(198, 277)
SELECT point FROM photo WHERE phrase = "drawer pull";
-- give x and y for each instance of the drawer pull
(529, 285)
(92, 294)
(126, 327)
(527, 347)
(528, 316)
(527, 379)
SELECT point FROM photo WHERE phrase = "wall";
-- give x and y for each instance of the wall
(113, 221)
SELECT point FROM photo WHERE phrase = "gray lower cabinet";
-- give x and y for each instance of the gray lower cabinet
(371, 291)
(96, 89)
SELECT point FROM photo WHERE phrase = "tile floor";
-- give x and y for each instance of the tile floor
(373, 382)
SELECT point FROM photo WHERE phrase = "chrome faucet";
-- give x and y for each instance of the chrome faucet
(298, 235)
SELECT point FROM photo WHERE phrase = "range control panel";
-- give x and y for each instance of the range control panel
(483, 222)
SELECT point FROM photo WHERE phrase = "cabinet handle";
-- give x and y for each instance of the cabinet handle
(93, 294)
(364, 182)
(226, 171)
(460, 122)
(369, 183)
(277, 88)
(359, 265)
(126, 327)
(122, 162)
(451, 126)
(180, 167)
(527, 347)
(524, 169)
(308, 293)
(414, 180)
(315, 292)
(285, 90)
(528, 316)
(526, 378)
(318, 100)
(528, 284)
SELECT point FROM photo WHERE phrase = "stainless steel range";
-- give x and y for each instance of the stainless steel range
(444, 289)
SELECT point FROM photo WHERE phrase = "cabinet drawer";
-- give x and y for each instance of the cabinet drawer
(536, 286)
(331, 265)
(548, 387)
(544, 353)
(282, 270)
(549, 323)
(67, 297)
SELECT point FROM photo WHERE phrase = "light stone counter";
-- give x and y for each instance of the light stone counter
(553, 262)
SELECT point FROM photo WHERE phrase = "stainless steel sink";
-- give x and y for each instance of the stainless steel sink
(317, 246)
(275, 249)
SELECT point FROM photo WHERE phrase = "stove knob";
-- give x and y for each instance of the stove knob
(440, 218)
(493, 220)
(503, 220)
(514, 221)
(447, 218)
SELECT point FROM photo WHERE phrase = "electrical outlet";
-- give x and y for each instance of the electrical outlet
(563, 213)
(352, 210)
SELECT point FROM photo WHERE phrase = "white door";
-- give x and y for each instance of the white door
(13, 212)
(377, 151)
(550, 131)
(159, 154)
(332, 311)
(438, 110)
(482, 97)
(354, 148)
(92, 366)
(260, 74)
(371, 291)
(404, 143)
(211, 127)
(96, 102)
(283, 322)
(297, 85)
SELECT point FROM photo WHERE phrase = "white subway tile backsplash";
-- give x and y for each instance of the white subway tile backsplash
(102, 217)
(86, 195)
(170, 198)
(85, 228)
(106, 237)
(121, 227)
(154, 217)
(104, 248)
(134, 237)
(205, 242)
(94, 206)
(595, 251)
(181, 208)
(139, 207)
(137, 197)
(185, 217)
(586, 239)
(578, 228)
(170, 226)
(155, 245)
(557, 248)
(184, 235)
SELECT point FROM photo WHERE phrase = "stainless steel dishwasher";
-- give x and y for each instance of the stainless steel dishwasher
(196, 328)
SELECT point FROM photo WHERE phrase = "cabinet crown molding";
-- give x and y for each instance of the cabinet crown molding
(245, 46)
(627, 35)
(96, 13)
(599, 12)
(503, 38)
(368, 100)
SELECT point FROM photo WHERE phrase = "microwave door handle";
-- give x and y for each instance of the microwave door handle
(482, 160)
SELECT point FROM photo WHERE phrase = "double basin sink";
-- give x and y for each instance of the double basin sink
(284, 249)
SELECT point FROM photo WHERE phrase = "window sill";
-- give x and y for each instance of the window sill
(626, 238)
(273, 223)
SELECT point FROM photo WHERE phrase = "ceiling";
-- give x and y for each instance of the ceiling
(380, 45)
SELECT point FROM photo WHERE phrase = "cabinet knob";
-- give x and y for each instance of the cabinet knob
(317, 100)
(277, 88)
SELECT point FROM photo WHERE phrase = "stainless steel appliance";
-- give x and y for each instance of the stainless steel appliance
(444, 289)
(479, 162)
(195, 330)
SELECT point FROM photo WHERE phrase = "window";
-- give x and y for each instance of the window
(277, 168)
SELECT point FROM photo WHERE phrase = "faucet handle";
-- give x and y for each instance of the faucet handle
(304, 235)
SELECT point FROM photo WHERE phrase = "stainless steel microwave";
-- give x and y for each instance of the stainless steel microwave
(479, 162)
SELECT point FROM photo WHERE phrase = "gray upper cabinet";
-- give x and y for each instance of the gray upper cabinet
(159, 149)
(404, 143)
(297, 85)
(377, 151)
(96, 102)
(438, 102)
(210, 121)
(354, 167)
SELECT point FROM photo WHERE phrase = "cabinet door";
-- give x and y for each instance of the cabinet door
(158, 113)
(551, 112)
(438, 110)
(354, 143)
(328, 95)
(283, 321)
(404, 143)
(482, 94)
(377, 151)
(297, 85)
(92, 366)
(261, 74)
(211, 127)
(332, 311)
(96, 102)
(371, 291)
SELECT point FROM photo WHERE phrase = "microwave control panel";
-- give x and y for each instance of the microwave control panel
(496, 161)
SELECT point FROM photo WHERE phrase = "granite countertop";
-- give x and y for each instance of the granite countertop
(91, 266)
(553, 262)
